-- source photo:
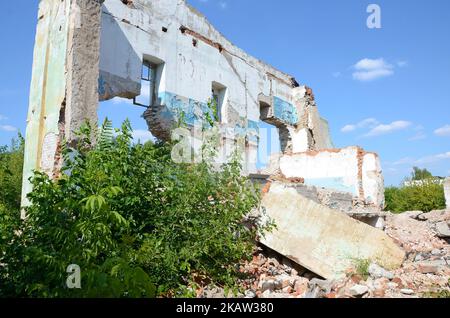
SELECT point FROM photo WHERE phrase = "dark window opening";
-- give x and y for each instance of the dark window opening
(148, 85)
(218, 96)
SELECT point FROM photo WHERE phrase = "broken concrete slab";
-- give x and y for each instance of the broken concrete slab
(447, 192)
(325, 241)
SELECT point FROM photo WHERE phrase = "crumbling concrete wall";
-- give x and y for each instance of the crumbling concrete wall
(349, 170)
(323, 240)
(86, 50)
(190, 56)
(63, 91)
(447, 192)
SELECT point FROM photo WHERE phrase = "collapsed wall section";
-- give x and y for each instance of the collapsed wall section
(194, 64)
(349, 170)
(323, 240)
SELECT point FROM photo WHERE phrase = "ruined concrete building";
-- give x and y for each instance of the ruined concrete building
(88, 51)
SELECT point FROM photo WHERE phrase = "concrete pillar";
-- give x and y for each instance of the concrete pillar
(64, 85)
(447, 192)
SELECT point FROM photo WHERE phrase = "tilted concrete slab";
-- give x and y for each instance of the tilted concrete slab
(325, 241)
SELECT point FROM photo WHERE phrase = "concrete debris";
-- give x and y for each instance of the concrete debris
(350, 170)
(443, 230)
(415, 278)
(376, 272)
(323, 240)
(358, 290)
(325, 202)
(407, 291)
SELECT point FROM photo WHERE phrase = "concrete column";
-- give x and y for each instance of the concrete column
(447, 192)
(64, 85)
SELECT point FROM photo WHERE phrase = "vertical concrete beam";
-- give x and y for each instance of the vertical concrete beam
(447, 192)
(64, 85)
(83, 56)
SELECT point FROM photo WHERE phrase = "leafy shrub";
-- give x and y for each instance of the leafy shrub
(132, 220)
(425, 196)
(11, 165)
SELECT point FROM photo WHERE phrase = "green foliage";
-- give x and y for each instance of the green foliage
(420, 193)
(362, 267)
(212, 117)
(11, 165)
(134, 221)
(425, 197)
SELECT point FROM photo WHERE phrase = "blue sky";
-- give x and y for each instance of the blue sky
(387, 90)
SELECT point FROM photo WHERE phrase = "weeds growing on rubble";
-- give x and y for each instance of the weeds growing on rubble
(136, 223)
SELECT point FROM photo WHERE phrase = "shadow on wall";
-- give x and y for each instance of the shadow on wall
(120, 65)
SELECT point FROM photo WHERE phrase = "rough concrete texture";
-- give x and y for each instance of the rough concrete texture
(83, 57)
(323, 240)
(63, 88)
(447, 192)
(349, 170)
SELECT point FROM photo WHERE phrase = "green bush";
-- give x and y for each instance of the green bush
(132, 219)
(425, 197)
(11, 165)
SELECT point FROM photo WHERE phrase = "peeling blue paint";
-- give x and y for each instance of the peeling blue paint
(194, 112)
(285, 111)
(331, 183)
(101, 86)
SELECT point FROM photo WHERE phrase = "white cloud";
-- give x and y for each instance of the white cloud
(371, 69)
(434, 158)
(418, 136)
(424, 160)
(404, 161)
(8, 128)
(370, 65)
(368, 122)
(143, 136)
(336, 74)
(443, 131)
(383, 129)
(3, 117)
(420, 133)
(119, 100)
(348, 128)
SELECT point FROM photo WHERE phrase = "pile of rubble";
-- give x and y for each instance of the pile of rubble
(424, 273)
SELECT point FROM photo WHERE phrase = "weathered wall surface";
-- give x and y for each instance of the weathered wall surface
(63, 89)
(348, 170)
(191, 56)
(447, 192)
(323, 240)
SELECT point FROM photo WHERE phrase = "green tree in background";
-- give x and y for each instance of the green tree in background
(420, 174)
(426, 196)
(11, 165)
(136, 223)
